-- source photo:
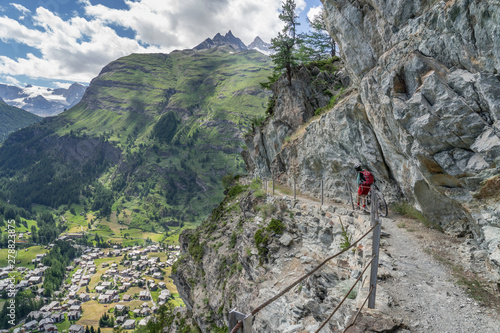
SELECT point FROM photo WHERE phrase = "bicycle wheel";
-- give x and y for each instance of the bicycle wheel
(349, 190)
(382, 205)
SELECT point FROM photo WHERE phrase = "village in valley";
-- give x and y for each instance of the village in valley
(104, 289)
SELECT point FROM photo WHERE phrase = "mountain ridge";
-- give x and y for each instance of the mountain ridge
(12, 119)
(230, 40)
(40, 100)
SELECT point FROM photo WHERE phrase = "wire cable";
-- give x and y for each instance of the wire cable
(263, 305)
(357, 314)
(345, 297)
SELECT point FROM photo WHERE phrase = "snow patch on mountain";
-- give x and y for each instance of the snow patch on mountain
(42, 101)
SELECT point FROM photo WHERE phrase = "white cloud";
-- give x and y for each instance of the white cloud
(185, 23)
(63, 56)
(11, 81)
(64, 85)
(313, 12)
(21, 8)
(77, 48)
(300, 5)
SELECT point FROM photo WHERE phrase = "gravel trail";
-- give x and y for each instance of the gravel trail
(422, 292)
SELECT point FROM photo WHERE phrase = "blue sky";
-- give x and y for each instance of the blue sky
(56, 42)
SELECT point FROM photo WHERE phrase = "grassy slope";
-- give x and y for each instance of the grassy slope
(12, 118)
(203, 88)
(213, 93)
(23, 256)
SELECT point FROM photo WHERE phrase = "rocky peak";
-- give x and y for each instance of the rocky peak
(73, 94)
(259, 45)
(219, 40)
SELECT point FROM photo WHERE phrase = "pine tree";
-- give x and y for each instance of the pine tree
(285, 56)
(317, 44)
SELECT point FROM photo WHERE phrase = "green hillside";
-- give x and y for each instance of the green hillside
(146, 147)
(12, 119)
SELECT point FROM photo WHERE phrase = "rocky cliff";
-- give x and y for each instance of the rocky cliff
(254, 246)
(421, 112)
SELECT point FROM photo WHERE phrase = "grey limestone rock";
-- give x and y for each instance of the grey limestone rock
(422, 112)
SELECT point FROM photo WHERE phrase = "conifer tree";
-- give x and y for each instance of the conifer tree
(284, 44)
(317, 44)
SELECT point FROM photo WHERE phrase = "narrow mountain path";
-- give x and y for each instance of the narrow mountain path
(421, 291)
(415, 288)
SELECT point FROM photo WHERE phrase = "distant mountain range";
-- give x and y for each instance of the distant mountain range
(42, 101)
(46, 102)
(230, 40)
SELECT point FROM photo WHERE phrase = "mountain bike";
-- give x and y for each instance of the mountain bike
(382, 204)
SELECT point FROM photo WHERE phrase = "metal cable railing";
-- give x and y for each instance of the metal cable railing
(359, 311)
(284, 291)
(245, 321)
(345, 297)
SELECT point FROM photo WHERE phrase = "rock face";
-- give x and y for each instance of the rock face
(219, 40)
(259, 45)
(222, 266)
(422, 113)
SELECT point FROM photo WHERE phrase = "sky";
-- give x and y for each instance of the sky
(53, 43)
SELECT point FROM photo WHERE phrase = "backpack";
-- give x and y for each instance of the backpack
(368, 177)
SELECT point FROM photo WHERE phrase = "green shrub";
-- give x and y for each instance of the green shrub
(276, 226)
(330, 104)
(261, 241)
(256, 184)
(257, 121)
(270, 106)
(259, 193)
(232, 241)
(404, 208)
(195, 249)
(227, 180)
(325, 64)
(262, 237)
(268, 209)
(346, 238)
(237, 189)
